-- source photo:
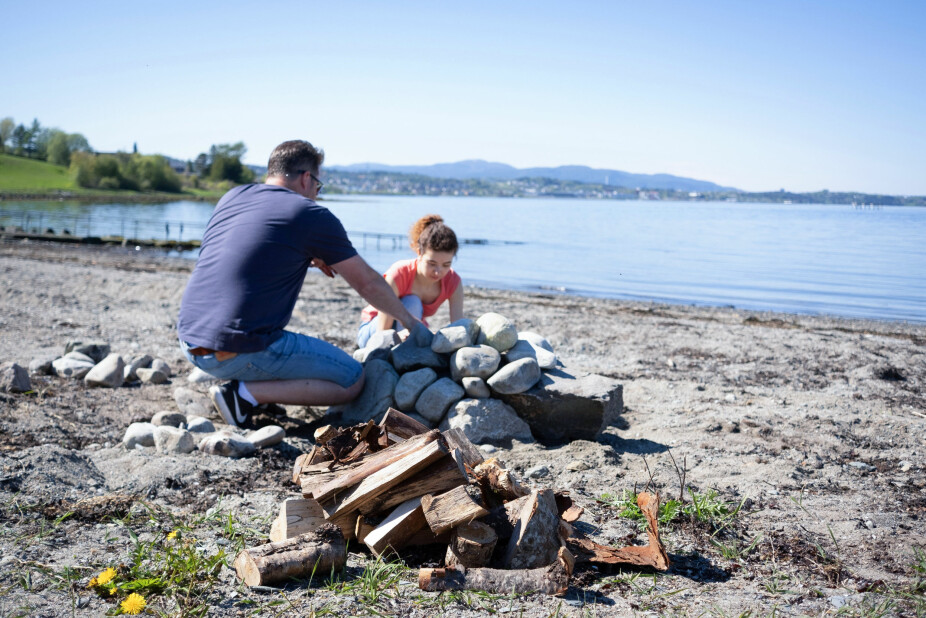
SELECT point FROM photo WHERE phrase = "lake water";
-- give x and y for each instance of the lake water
(816, 259)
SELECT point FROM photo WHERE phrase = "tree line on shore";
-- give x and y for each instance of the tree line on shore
(218, 169)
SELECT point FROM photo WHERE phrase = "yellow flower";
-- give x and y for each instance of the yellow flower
(92, 582)
(172, 535)
(113, 590)
(106, 576)
(133, 603)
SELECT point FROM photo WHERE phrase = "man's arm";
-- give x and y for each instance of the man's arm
(374, 289)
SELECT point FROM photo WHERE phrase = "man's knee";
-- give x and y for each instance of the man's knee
(353, 391)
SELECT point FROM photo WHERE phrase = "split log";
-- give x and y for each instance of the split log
(551, 579)
(297, 516)
(347, 522)
(373, 463)
(389, 476)
(471, 545)
(504, 517)
(315, 456)
(317, 552)
(652, 555)
(314, 476)
(399, 426)
(397, 528)
(498, 485)
(364, 526)
(325, 433)
(456, 439)
(439, 477)
(535, 541)
(450, 509)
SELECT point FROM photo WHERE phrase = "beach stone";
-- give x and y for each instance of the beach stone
(199, 424)
(70, 367)
(515, 377)
(479, 361)
(384, 339)
(96, 350)
(107, 373)
(375, 398)
(476, 387)
(437, 398)
(532, 345)
(191, 402)
(173, 440)
(198, 376)
(497, 331)
(408, 356)
(454, 336)
(538, 472)
(139, 362)
(138, 434)
(168, 418)
(487, 421)
(411, 385)
(14, 378)
(159, 364)
(564, 405)
(150, 375)
(268, 435)
(42, 365)
(577, 465)
(226, 445)
(367, 354)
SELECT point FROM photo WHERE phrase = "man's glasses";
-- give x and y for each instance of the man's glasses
(314, 177)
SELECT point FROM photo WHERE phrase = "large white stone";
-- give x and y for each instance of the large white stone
(150, 375)
(75, 368)
(411, 385)
(138, 434)
(532, 345)
(166, 417)
(497, 331)
(139, 362)
(434, 401)
(487, 421)
(515, 377)
(173, 440)
(476, 388)
(226, 445)
(478, 361)
(107, 373)
(454, 336)
(268, 435)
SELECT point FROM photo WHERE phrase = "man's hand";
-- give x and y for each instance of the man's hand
(320, 265)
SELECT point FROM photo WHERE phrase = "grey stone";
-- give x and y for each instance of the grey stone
(74, 368)
(376, 397)
(168, 418)
(267, 436)
(478, 361)
(138, 434)
(192, 403)
(159, 364)
(437, 398)
(107, 373)
(476, 387)
(139, 362)
(199, 424)
(14, 379)
(173, 440)
(367, 354)
(487, 420)
(227, 445)
(383, 339)
(497, 331)
(198, 376)
(488, 449)
(538, 472)
(532, 345)
(96, 350)
(454, 336)
(42, 365)
(515, 377)
(411, 385)
(80, 356)
(150, 375)
(565, 406)
(577, 465)
(408, 356)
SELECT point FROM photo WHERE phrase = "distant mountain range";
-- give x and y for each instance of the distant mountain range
(487, 170)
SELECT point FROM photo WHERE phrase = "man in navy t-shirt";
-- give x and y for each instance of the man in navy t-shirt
(260, 241)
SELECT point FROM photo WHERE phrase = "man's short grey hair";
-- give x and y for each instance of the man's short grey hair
(294, 156)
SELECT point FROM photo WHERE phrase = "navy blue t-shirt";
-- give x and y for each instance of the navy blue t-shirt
(254, 256)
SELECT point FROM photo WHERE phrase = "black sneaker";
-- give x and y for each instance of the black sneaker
(234, 410)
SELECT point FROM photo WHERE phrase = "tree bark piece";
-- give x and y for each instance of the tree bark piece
(297, 516)
(471, 545)
(498, 484)
(456, 439)
(535, 541)
(436, 478)
(314, 552)
(448, 510)
(386, 478)
(372, 464)
(397, 528)
(401, 426)
(551, 579)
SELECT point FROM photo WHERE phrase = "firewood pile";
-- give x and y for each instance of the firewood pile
(399, 484)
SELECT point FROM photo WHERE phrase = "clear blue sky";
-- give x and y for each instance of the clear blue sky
(799, 95)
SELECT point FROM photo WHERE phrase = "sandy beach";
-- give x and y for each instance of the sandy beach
(812, 426)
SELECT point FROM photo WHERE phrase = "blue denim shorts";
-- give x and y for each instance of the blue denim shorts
(291, 357)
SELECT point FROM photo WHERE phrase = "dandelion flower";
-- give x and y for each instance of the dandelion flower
(172, 535)
(106, 576)
(133, 603)
(113, 590)
(92, 582)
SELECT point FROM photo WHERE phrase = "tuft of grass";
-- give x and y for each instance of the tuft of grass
(377, 582)
(705, 507)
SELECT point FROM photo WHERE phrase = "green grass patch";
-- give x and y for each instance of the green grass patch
(30, 175)
(705, 507)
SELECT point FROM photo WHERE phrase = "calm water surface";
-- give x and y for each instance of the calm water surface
(813, 259)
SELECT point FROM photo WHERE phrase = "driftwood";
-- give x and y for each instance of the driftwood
(535, 540)
(441, 476)
(397, 528)
(297, 516)
(450, 509)
(314, 552)
(552, 579)
(471, 546)
(652, 555)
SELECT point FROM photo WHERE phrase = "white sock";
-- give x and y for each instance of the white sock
(246, 394)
